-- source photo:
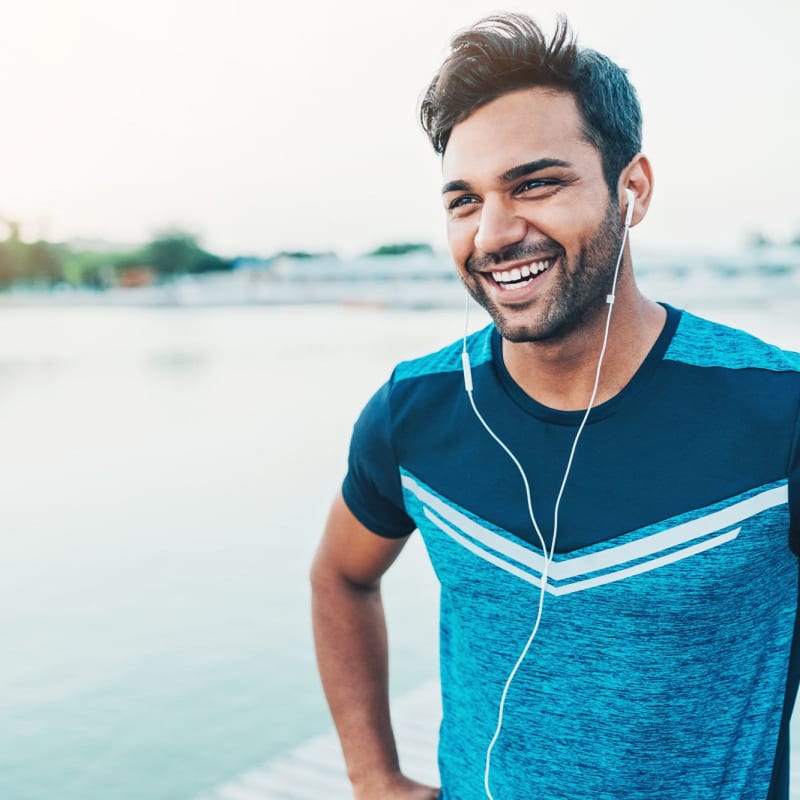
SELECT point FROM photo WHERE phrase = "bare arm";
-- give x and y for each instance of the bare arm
(350, 636)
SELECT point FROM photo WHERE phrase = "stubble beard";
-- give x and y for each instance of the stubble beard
(576, 298)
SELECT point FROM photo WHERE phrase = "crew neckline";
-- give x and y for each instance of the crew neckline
(603, 410)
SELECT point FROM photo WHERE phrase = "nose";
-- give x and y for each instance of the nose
(498, 227)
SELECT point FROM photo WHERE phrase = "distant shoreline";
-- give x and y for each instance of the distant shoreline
(673, 281)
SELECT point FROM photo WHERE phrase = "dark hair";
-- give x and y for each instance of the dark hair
(506, 52)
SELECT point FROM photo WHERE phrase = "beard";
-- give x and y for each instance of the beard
(574, 299)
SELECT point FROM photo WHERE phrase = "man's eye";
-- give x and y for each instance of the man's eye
(533, 183)
(460, 202)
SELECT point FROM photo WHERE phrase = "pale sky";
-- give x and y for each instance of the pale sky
(264, 126)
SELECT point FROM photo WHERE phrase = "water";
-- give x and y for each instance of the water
(164, 478)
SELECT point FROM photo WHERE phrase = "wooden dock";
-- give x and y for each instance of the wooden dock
(315, 769)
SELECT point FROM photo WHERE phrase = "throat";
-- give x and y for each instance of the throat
(561, 375)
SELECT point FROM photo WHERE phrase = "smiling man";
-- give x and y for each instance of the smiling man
(608, 487)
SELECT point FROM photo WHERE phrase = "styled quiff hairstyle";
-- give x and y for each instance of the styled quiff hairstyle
(506, 52)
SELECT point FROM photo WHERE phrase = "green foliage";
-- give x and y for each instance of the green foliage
(38, 263)
(301, 254)
(42, 263)
(8, 265)
(401, 249)
(177, 253)
(91, 268)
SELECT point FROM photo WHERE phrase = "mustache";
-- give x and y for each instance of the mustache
(514, 252)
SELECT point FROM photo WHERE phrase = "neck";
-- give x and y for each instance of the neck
(561, 374)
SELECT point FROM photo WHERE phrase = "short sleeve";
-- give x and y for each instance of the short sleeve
(371, 488)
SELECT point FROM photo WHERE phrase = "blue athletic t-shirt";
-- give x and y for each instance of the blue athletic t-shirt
(667, 660)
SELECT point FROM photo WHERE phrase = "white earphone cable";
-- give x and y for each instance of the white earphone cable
(547, 554)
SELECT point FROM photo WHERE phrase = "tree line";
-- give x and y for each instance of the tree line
(47, 264)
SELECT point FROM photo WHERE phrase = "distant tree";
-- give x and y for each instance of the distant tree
(7, 271)
(169, 254)
(176, 253)
(401, 249)
(795, 240)
(44, 263)
(96, 269)
(15, 256)
(303, 254)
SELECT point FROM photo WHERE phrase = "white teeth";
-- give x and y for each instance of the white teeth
(539, 266)
(509, 286)
(518, 273)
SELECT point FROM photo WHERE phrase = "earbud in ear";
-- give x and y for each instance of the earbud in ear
(630, 204)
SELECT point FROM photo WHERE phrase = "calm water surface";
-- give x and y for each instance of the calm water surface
(164, 478)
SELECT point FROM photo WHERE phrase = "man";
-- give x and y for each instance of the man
(612, 510)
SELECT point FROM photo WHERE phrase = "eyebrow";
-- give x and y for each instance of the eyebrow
(532, 166)
(456, 186)
(520, 171)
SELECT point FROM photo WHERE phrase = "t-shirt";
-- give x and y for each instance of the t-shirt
(667, 659)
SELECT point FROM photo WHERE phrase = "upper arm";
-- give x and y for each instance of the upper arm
(352, 552)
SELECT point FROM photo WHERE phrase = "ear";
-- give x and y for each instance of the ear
(638, 177)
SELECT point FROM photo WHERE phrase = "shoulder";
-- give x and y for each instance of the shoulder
(416, 383)
(702, 343)
(448, 359)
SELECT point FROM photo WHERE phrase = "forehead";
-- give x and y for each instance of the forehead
(516, 128)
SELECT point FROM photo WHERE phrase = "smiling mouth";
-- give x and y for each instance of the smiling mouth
(521, 276)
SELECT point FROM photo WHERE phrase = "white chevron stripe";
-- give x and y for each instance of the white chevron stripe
(480, 552)
(566, 566)
(589, 583)
(521, 554)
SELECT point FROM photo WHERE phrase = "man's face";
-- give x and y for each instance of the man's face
(530, 224)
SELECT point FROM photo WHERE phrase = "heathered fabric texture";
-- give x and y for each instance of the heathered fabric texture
(667, 660)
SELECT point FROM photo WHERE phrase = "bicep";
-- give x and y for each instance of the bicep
(350, 551)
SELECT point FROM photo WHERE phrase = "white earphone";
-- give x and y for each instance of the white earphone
(630, 204)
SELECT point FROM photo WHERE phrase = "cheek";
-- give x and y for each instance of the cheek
(460, 240)
(575, 232)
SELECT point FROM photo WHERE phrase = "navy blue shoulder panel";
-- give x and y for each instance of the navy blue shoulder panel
(371, 488)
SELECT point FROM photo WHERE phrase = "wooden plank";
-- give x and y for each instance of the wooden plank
(315, 769)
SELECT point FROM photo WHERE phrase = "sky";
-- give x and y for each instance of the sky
(264, 126)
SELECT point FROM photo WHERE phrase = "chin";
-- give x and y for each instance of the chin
(519, 326)
(554, 323)
(519, 334)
